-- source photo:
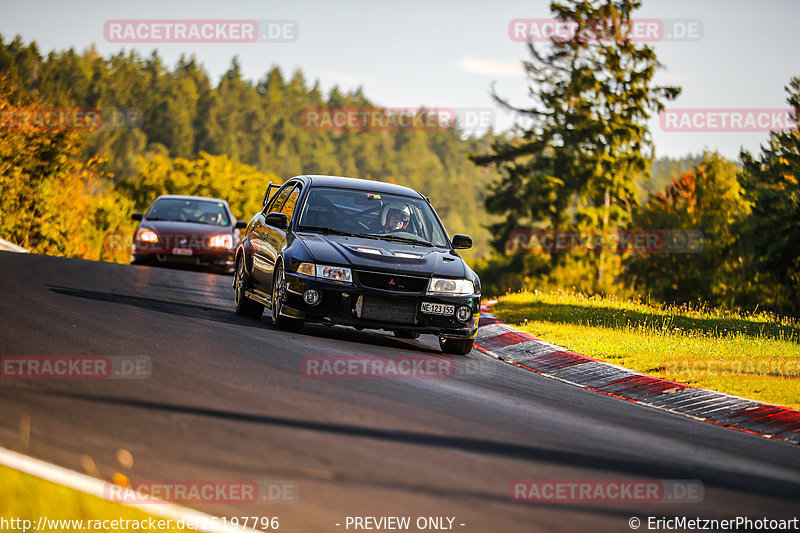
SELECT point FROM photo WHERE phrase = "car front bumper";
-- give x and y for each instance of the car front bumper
(369, 308)
(217, 259)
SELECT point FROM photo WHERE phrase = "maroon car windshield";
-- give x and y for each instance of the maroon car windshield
(183, 210)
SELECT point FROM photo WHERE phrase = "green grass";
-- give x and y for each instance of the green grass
(28, 497)
(756, 356)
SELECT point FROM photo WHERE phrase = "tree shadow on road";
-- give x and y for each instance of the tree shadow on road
(228, 316)
(774, 487)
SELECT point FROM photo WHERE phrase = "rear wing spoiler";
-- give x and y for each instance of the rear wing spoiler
(268, 194)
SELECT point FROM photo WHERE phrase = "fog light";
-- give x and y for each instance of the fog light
(311, 297)
(463, 313)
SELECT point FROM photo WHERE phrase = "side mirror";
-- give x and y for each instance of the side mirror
(136, 216)
(461, 241)
(277, 220)
(241, 224)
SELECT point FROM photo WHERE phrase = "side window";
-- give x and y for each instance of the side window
(291, 203)
(277, 203)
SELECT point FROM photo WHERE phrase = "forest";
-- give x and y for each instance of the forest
(70, 190)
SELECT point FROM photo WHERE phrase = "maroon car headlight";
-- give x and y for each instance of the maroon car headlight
(147, 235)
(221, 241)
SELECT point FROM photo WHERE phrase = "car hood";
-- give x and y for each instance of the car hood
(397, 257)
(188, 229)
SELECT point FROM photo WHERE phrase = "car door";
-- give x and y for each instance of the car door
(263, 255)
(275, 238)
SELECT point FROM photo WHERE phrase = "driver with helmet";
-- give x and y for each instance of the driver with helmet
(395, 217)
(210, 218)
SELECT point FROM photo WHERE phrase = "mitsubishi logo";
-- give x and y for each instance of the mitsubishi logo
(391, 282)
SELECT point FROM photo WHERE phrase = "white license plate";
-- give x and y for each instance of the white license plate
(437, 309)
(181, 251)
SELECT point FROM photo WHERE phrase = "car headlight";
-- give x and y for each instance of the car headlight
(307, 269)
(221, 241)
(452, 287)
(148, 235)
(333, 273)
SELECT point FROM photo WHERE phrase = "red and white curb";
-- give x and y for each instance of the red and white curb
(521, 349)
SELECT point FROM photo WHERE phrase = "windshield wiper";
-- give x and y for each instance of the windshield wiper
(397, 238)
(326, 231)
(380, 236)
(189, 221)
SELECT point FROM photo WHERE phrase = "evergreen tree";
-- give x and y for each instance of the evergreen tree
(585, 140)
(773, 229)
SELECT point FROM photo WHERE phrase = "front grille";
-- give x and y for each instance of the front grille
(391, 282)
(388, 310)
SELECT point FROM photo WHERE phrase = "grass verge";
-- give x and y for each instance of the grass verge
(755, 356)
(27, 497)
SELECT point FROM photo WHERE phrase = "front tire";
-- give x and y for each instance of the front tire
(456, 346)
(278, 298)
(139, 260)
(244, 305)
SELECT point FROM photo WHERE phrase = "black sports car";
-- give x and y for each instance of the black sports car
(358, 253)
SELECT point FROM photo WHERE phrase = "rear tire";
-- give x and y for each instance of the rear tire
(278, 299)
(244, 305)
(456, 346)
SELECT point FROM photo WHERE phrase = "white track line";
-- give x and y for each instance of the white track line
(100, 488)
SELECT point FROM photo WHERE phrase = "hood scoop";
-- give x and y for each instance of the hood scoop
(406, 255)
(366, 250)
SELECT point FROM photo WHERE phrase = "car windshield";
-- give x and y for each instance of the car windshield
(368, 214)
(200, 211)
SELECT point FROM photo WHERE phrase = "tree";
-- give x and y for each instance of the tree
(584, 141)
(773, 229)
(709, 199)
(194, 137)
(242, 186)
(53, 200)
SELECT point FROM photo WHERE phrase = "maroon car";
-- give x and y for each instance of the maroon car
(188, 230)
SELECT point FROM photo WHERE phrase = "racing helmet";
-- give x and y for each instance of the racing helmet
(395, 216)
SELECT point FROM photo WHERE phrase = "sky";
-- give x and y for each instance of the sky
(448, 54)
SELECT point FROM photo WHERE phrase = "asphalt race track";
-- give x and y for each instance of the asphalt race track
(227, 400)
